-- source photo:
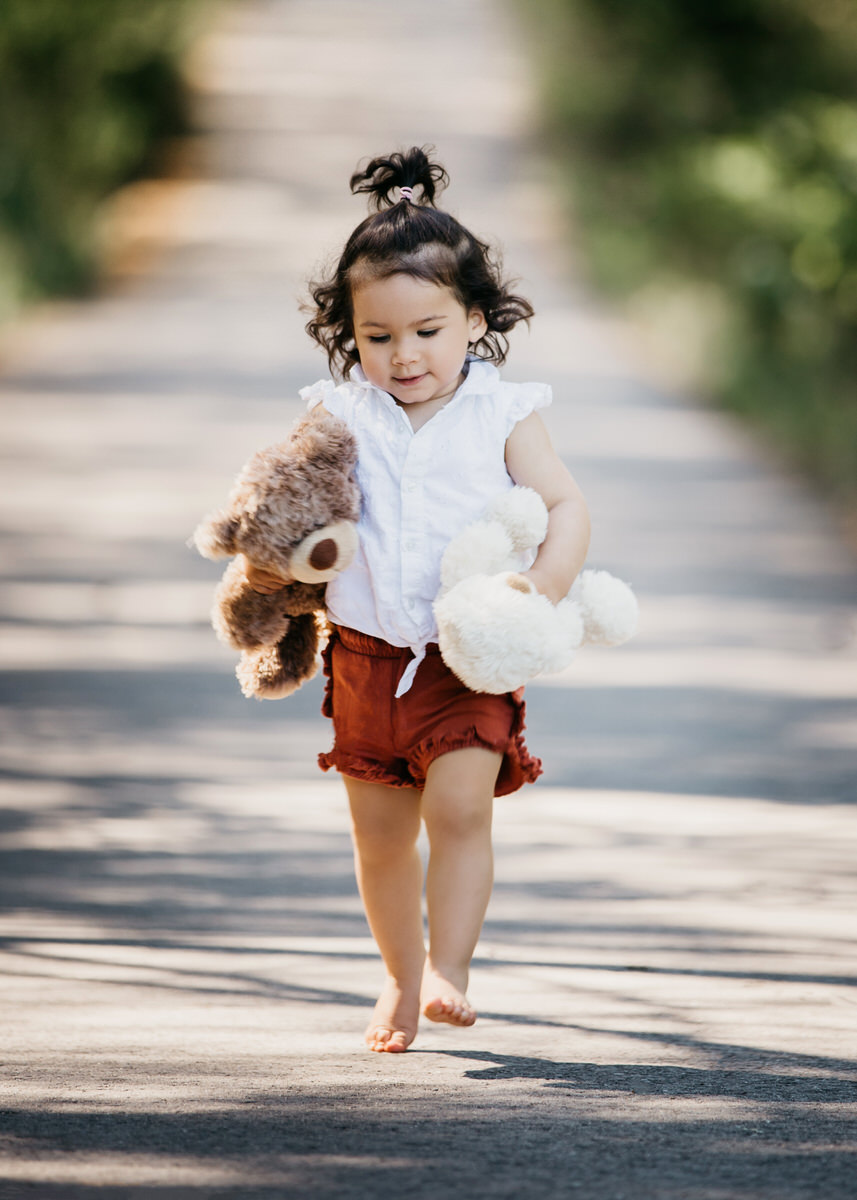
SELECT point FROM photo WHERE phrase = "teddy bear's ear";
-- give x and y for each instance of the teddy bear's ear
(215, 537)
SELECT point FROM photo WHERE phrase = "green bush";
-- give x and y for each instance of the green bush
(711, 151)
(88, 90)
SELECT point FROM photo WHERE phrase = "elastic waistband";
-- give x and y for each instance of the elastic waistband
(364, 643)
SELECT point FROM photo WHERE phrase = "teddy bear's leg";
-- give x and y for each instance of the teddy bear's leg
(298, 650)
(607, 606)
(277, 671)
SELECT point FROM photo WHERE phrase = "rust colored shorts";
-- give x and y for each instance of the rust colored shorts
(384, 740)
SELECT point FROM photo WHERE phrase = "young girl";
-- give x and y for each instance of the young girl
(414, 319)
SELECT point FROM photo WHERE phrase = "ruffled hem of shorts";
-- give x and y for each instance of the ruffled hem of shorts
(531, 767)
(357, 768)
(435, 747)
(518, 766)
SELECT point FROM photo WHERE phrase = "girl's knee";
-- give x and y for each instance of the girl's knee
(458, 823)
(458, 800)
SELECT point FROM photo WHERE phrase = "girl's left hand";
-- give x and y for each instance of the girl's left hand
(262, 581)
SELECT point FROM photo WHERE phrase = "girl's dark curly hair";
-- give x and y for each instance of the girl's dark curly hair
(411, 237)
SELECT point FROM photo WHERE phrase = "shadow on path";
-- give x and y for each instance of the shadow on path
(680, 740)
(744, 1132)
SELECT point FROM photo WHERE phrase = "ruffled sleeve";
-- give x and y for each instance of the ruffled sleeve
(521, 399)
(318, 393)
(339, 399)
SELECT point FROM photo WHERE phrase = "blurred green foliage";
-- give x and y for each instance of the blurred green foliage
(711, 151)
(88, 90)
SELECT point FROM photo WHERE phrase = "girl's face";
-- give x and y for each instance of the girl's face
(413, 337)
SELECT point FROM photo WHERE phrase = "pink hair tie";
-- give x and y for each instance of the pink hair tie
(407, 193)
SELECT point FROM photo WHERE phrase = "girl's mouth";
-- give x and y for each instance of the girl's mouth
(410, 380)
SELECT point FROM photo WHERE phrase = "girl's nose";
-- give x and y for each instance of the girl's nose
(405, 353)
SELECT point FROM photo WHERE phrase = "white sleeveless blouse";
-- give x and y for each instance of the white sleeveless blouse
(419, 489)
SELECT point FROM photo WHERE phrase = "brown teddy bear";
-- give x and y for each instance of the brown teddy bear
(293, 512)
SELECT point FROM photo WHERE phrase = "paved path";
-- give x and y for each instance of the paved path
(667, 976)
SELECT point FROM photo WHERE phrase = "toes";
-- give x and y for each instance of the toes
(398, 1043)
(384, 1040)
(450, 1010)
(463, 1014)
(377, 1038)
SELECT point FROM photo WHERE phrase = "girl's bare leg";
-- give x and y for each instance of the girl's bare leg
(385, 827)
(457, 806)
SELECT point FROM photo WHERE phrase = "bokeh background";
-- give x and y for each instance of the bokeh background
(91, 96)
(707, 153)
(711, 154)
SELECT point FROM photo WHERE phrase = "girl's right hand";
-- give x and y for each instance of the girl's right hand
(262, 581)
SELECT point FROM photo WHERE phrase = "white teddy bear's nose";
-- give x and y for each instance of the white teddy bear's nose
(519, 584)
(325, 553)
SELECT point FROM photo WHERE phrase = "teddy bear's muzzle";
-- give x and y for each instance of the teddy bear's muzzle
(325, 553)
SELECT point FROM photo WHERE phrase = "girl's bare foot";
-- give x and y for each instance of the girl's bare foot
(443, 1001)
(394, 1022)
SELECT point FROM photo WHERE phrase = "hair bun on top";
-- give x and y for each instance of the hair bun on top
(410, 168)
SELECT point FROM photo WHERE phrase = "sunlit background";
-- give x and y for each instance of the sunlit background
(707, 153)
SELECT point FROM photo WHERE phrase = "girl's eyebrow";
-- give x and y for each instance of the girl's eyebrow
(421, 321)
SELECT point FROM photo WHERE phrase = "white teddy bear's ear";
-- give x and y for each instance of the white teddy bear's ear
(523, 515)
(482, 548)
(608, 607)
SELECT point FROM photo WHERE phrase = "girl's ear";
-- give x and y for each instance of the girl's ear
(477, 326)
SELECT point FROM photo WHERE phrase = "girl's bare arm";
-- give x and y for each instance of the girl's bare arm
(532, 462)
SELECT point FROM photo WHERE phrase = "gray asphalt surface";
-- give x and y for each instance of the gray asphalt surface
(667, 979)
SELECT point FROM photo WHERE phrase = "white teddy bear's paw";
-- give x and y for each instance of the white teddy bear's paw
(608, 607)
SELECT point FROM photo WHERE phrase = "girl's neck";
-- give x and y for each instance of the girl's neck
(421, 413)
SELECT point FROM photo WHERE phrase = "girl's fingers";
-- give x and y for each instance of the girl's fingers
(262, 581)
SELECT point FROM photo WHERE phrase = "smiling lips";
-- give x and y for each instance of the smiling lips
(411, 379)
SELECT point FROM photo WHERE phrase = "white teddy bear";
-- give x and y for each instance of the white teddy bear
(496, 632)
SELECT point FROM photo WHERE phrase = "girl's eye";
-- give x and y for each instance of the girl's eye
(426, 333)
(379, 338)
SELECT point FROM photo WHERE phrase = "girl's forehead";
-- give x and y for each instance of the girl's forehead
(403, 291)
